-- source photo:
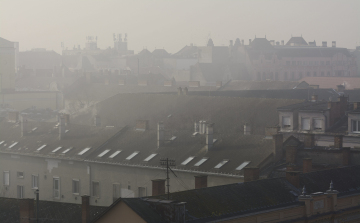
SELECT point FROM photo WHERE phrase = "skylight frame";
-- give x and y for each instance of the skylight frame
(103, 153)
(2, 142)
(132, 155)
(200, 162)
(243, 165)
(188, 160)
(57, 149)
(12, 145)
(41, 147)
(147, 159)
(66, 150)
(84, 151)
(115, 154)
(221, 164)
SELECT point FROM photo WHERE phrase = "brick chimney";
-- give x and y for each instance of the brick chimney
(340, 88)
(23, 125)
(13, 116)
(309, 140)
(324, 43)
(356, 105)
(278, 140)
(160, 134)
(291, 154)
(307, 165)
(97, 120)
(314, 98)
(200, 181)
(61, 127)
(346, 154)
(26, 210)
(158, 187)
(338, 141)
(142, 125)
(210, 135)
(251, 173)
(293, 177)
(85, 209)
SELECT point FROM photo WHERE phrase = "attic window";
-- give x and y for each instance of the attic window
(12, 145)
(114, 154)
(173, 138)
(222, 163)
(57, 149)
(103, 153)
(34, 129)
(188, 160)
(201, 161)
(132, 155)
(150, 157)
(66, 131)
(195, 133)
(41, 147)
(84, 151)
(2, 142)
(244, 164)
(66, 150)
(286, 121)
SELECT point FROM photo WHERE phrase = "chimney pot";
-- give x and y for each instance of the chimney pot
(251, 174)
(314, 98)
(158, 187)
(200, 181)
(249, 41)
(307, 165)
(333, 43)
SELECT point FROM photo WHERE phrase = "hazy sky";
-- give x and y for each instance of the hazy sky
(172, 24)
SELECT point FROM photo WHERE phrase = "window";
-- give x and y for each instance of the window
(84, 151)
(114, 154)
(201, 161)
(20, 191)
(132, 155)
(56, 188)
(66, 150)
(116, 191)
(12, 145)
(20, 175)
(187, 160)
(57, 149)
(6, 178)
(34, 181)
(328, 73)
(355, 125)
(103, 153)
(286, 121)
(41, 147)
(288, 63)
(305, 123)
(222, 163)
(244, 164)
(76, 186)
(150, 157)
(95, 189)
(142, 191)
(317, 124)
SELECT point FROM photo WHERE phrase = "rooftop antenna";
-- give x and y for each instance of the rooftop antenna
(168, 162)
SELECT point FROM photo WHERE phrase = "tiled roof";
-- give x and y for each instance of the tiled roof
(49, 211)
(187, 52)
(298, 41)
(306, 106)
(160, 53)
(332, 82)
(261, 44)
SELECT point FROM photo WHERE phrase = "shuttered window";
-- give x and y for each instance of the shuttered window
(286, 121)
(305, 124)
(317, 124)
(6, 178)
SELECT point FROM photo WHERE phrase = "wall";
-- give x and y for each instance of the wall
(121, 213)
(7, 68)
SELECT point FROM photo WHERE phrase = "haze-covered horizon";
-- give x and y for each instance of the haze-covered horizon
(174, 24)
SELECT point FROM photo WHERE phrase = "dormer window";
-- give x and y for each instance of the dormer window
(355, 126)
(305, 123)
(286, 121)
(318, 124)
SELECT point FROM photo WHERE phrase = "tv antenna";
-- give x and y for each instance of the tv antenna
(167, 163)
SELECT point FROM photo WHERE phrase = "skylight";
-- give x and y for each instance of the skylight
(114, 154)
(41, 147)
(150, 157)
(173, 138)
(57, 149)
(12, 145)
(244, 164)
(2, 142)
(132, 155)
(84, 151)
(103, 153)
(222, 163)
(188, 160)
(66, 150)
(201, 161)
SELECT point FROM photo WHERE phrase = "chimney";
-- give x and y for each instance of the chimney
(307, 165)
(333, 43)
(309, 140)
(282, 43)
(340, 88)
(13, 116)
(324, 44)
(251, 173)
(293, 177)
(61, 127)
(247, 129)
(356, 105)
(231, 43)
(85, 209)
(179, 91)
(242, 42)
(67, 119)
(314, 98)
(200, 181)
(185, 92)
(346, 156)
(249, 41)
(158, 187)
(23, 125)
(210, 135)
(26, 210)
(97, 120)
(196, 126)
(142, 125)
(272, 42)
(160, 134)
(291, 154)
(277, 43)
(338, 141)
(278, 140)
(291, 167)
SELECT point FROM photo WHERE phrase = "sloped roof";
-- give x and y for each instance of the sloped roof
(49, 210)
(258, 85)
(145, 52)
(332, 82)
(6, 43)
(297, 41)
(160, 53)
(261, 44)
(310, 51)
(187, 52)
(85, 64)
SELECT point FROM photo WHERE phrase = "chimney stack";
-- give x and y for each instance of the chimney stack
(231, 43)
(293, 177)
(158, 187)
(23, 125)
(142, 125)
(210, 135)
(307, 165)
(309, 140)
(340, 88)
(314, 98)
(338, 141)
(242, 42)
(346, 156)
(85, 209)
(160, 134)
(26, 210)
(247, 129)
(291, 154)
(200, 181)
(251, 173)
(282, 43)
(278, 140)
(333, 43)
(324, 44)
(356, 105)
(61, 127)
(97, 120)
